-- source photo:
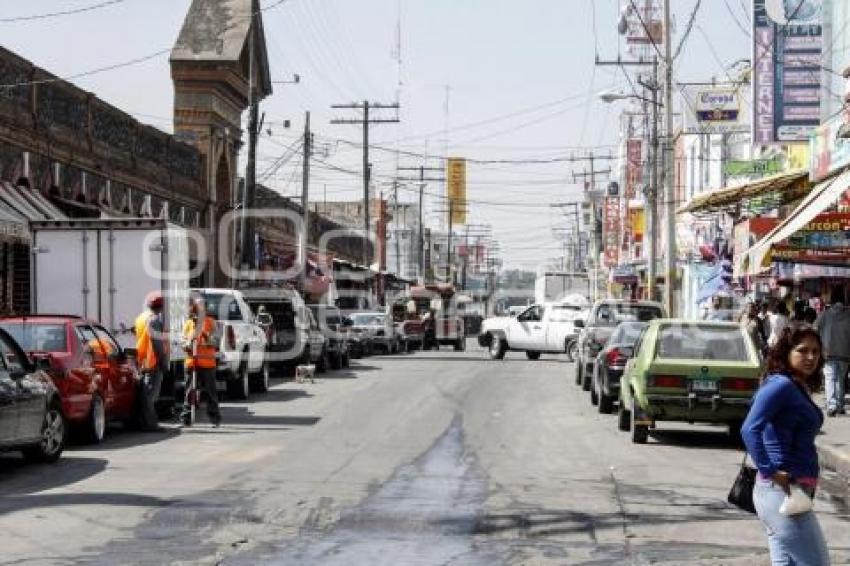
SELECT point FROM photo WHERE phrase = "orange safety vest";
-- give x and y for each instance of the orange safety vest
(205, 350)
(145, 354)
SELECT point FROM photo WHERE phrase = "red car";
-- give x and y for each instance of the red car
(96, 380)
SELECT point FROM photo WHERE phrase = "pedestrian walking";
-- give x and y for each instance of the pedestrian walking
(152, 356)
(199, 342)
(777, 318)
(779, 434)
(834, 327)
(754, 326)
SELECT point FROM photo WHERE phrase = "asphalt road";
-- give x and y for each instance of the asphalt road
(429, 458)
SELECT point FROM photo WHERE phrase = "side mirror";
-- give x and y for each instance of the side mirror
(578, 323)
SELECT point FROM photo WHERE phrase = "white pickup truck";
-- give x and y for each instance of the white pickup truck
(544, 328)
(242, 363)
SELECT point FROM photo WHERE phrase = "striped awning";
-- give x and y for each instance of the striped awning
(794, 183)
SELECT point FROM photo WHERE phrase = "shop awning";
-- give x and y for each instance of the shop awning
(792, 183)
(758, 258)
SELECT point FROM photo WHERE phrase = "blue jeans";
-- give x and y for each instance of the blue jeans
(834, 372)
(792, 541)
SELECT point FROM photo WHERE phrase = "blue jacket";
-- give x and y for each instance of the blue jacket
(781, 427)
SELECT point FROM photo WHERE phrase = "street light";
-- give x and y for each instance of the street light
(652, 191)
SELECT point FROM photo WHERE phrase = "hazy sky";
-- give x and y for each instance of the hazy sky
(521, 81)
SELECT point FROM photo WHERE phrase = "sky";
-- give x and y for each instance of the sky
(488, 80)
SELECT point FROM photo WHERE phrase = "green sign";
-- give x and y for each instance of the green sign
(754, 167)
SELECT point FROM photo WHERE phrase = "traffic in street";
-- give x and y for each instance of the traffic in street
(429, 457)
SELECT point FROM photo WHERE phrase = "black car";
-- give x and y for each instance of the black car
(610, 363)
(31, 418)
(332, 325)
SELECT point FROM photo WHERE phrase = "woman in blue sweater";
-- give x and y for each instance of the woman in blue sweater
(780, 437)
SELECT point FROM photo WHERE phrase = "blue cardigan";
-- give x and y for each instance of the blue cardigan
(780, 429)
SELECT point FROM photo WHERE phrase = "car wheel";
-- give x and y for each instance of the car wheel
(346, 361)
(95, 427)
(260, 381)
(532, 355)
(572, 350)
(585, 381)
(322, 363)
(640, 432)
(577, 371)
(594, 395)
(240, 388)
(624, 418)
(497, 348)
(606, 402)
(336, 361)
(460, 345)
(735, 432)
(52, 442)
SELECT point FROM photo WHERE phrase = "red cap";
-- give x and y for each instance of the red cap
(154, 299)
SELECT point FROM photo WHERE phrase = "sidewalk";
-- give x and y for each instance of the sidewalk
(834, 443)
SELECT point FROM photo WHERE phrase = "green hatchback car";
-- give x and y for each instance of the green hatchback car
(688, 371)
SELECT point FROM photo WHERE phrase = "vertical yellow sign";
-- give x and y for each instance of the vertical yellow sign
(456, 189)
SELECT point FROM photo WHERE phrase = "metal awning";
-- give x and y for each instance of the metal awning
(21, 205)
(795, 183)
(758, 258)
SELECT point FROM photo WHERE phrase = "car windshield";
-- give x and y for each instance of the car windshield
(702, 342)
(565, 313)
(326, 315)
(222, 306)
(368, 319)
(38, 337)
(627, 333)
(614, 314)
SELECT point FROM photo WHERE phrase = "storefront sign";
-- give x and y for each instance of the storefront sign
(829, 152)
(787, 39)
(753, 167)
(456, 189)
(798, 255)
(634, 167)
(714, 110)
(718, 105)
(611, 228)
(748, 232)
(826, 232)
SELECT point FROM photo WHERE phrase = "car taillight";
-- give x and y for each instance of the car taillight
(616, 357)
(668, 381)
(738, 384)
(231, 338)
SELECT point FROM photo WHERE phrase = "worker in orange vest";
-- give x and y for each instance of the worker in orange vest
(152, 357)
(199, 342)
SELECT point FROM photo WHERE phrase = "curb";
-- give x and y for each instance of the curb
(834, 458)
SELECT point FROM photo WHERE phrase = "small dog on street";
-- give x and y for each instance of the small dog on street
(305, 374)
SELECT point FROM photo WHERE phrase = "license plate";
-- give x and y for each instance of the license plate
(703, 386)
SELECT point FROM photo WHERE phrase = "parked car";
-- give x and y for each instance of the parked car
(31, 415)
(610, 363)
(379, 329)
(331, 324)
(689, 372)
(408, 326)
(283, 317)
(547, 328)
(359, 344)
(97, 381)
(242, 365)
(318, 350)
(598, 326)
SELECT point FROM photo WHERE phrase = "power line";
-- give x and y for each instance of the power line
(688, 29)
(71, 12)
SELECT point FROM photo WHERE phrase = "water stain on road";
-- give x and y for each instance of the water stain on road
(426, 513)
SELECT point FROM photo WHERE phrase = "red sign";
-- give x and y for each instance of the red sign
(808, 255)
(634, 170)
(611, 229)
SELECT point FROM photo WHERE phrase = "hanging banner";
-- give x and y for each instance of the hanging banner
(611, 229)
(456, 189)
(787, 44)
(634, 167)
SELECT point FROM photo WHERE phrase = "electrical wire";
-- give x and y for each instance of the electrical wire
(70, 12)
(688, 29)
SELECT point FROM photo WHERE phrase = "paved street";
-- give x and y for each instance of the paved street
(428, 458)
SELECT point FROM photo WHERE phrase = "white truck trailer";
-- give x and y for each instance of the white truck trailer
(102, 269)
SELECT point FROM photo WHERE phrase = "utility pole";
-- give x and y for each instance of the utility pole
(653, 189)
(365, 122)
(669, 190)
(248, 193)
(449, 250)
(305, 201)
(595, 241)
(422, 184)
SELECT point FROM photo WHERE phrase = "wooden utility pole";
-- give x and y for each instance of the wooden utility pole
(423, 180)
(248, 193)
(305, 202)
(365, 122)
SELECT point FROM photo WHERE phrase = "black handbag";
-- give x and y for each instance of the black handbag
(741, 494)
